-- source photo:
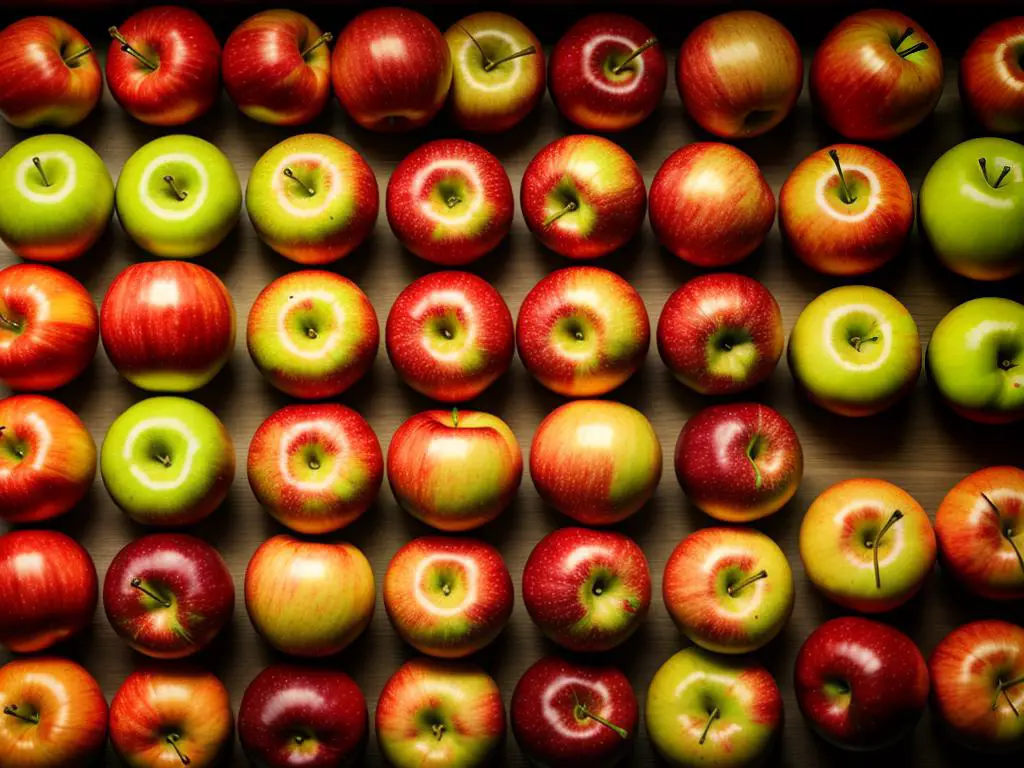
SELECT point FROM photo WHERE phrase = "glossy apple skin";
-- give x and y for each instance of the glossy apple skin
(550, 711)
(587, 590)
(383, 91)
(48, 588)
(303, 717)
(992, 76)
(449, 336)
(584, 84)
(49, 327)
(47, 459)
(72, 714)
(315, 468)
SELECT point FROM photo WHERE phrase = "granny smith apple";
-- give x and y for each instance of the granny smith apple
(178, 197)
(167, 461)
(971, 208)
(976, 360)
(57, 198)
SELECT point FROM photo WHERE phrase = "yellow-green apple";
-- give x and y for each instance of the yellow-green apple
(178, 197)
(846, 210)
(312, 334)
(448, 597)
(309, 598)
(312, 198)
(391, 69)
(49, 327)
(977, 525)
(48, 588)
(862, 685)
(587, 590)
(450, 202)
(583, 196)
(704, 709)
(163, 66)
(47, 459)
(867, 545)
(992, 76)
(583, 331)
(607, 72)
(855, 350)
(315, 468)
(434, 712)
(449, 336)
(876, 75)
(49, 74)
(596, 461)
(167, 461)
(277, 67)
(739, 74)
(721, 333)
(976, 360)
(497, 71)
(58, 197)
(168, 595)
(454, 470)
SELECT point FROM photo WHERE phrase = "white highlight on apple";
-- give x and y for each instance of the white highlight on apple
(281, 183)
(977, 336)
(514, 67)
(552, 715)
(185, 209)
(620, 86)
(449, 447)
(993, 653)
(874, 193)
(469, 571)
(894, 537)
(329, 343)
(164, 293)
(164, 423)
(599, 436)
(296, 433)
(455, 167)
(453, 299)
(55, 193)
(884, 331)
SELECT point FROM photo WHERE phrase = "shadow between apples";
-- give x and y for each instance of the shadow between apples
(986, 444)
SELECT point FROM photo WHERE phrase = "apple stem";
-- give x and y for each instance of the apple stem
(648, 43)
(127, 48)
(165, 460)
(455, 417)
(844, 189)
(715, 714)
(312, 334)
(857, 342)
(567, 208)
(916, 48)
(180, 194)
(42, 174)
(452, 201)
(894, 518)
(76, 56)
(446, 589)
(12, 710)
(1002, 175)
(137, 584)
(486, 58)
(582, 711)
(438, 730)
(527, 51)
(1006, 365)
(735, 588)
(326, 37)
(752, 447)
(173, 739)
(11, 325)
(291, 175)
(1005, 529)
(906, 33)
(1002, 689)
(314, 464)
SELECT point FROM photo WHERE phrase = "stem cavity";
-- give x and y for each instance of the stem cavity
(569, 207)
(527, 51)
(1002, 690)
(127, 48)
(12, 710)
(581, 711)
(714, 715)
(844, 189)
(1005, 529)
(6, 322)
(438, 730)
(915, 48)
(894, 518)
(736, 588)
(326, 37)
(306, 188)
(42, 174)
(137, 584)
(178, 193)
(639, 50)
(452, 201)
(76, 56)
(165, 460)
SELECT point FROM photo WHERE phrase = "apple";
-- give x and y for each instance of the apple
(303, 716)
(846, 210)
(315, 468)
(433, 712)
(582, 331)
(564, 713)
(992, 76)
(977, 526)
(312, 334)
(587, 590)
(497, 71)
(596, 461)
(449, 336)
(48, 588)
(876, 75)
(309, 598)
(277, 67)
(47, 459)
(721, 333)
(448, 597)
(391, 69)
(168, 595)
(163, 66)
(312, 198)
(58, 197)
(855, 350)
(971, 208)
(976, 360)
(454, 470)
(607, 72)
(861, 684)
(49, 327)
(168, 326)
(583, 197)
(167, 461)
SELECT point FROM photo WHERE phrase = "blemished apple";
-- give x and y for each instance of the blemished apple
(992, 76)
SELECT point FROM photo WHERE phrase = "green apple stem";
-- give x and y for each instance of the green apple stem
(42, 174)
(527, 51)
(137, 584)
(483, 53)
(11, 325)
(326, 37)
(127, 48)
(894, 518)
(76, 56)
(715, 714)
(638, 51)
(178, 193)
(291, 175)
(455, 417)
(567, 208)
(753, 448)
(844, 189)
(438, 730)
(1005, 529)
(173, 739)
(12, 710)
(735, 588)
(582, 711)
(1002, 689)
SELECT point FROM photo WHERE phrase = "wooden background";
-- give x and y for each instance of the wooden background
(918, 445)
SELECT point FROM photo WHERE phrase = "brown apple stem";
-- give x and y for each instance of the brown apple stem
(1002, 689)
(137, 584)
(326, 37)
(17, 449)
(12, 710)
(165, 460)
(894, 518)
(6, 322)
(483, 53)
(76, 56)
(735, 588)
(438, 730)
(452, 201)
(916, 48)
(173, 739)
(582, 711)
(291, 175)
(567, 208)
(857, 342)
(1002, 175)
(455, 417)
(1006, 530)
(648, 43)
(42, 174)
(844, 189)
(312, 334)
(314, 464)
(715, 714)
(527, 51)
(127, 48)
(178, 193)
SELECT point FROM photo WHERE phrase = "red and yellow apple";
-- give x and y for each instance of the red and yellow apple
(992, 76)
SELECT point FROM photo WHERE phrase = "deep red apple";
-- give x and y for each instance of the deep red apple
(992, 76)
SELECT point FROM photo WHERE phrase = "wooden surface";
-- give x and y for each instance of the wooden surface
(918, 445)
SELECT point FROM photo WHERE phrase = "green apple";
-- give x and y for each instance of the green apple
(976, 360)
(57, 198)
(178, 197)
(971, 208)
(855, 350)
(167, 461)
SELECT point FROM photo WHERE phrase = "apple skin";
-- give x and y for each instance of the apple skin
(861, 684)
(303, 717)
(587, 590)
(48, 588)
(552, 708)
(992, 76)
(47, 459)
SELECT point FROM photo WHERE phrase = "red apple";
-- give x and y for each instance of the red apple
(992, 76)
